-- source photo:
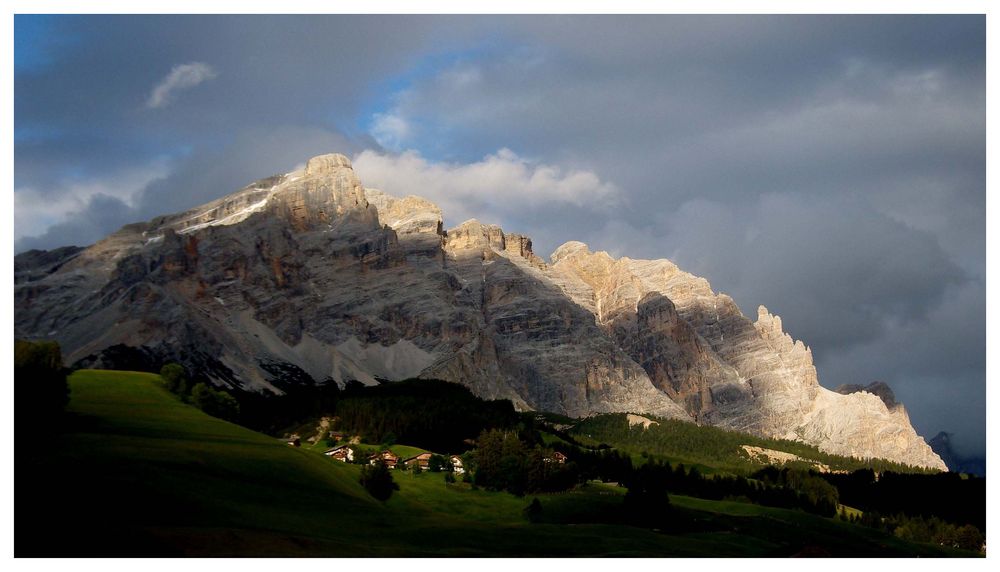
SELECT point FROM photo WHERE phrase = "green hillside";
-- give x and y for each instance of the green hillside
(711, 449)
(135, 472)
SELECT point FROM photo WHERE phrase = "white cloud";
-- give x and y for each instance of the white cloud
(35, 212)
(181, 77)
(497, 188)
(390, 130)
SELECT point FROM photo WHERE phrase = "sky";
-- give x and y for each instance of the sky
(831, 168)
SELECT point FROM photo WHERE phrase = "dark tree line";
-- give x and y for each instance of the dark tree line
(931, 530)
(40, 388)
(502, 461)
(949, 497)
(273, 414)
(431, 414)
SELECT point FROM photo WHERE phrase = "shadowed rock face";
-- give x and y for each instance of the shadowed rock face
(308, 276)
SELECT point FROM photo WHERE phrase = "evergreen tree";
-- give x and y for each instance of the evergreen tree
(377, 480)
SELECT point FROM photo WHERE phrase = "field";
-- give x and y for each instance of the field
(135, 472)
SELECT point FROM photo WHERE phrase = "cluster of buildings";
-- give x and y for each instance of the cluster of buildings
(345, 454)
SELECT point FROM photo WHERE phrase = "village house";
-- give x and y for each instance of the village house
(342, 453)
(388, 457)
(423, 460)
(294, 442)
(456, 464)
(556, 457)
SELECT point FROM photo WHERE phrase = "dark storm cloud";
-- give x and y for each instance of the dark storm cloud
(829, 167)
(99, 213)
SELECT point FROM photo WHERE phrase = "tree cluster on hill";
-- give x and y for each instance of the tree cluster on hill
(431, 414)
(711, 446)
(274, 414)
(812, 493)
(502, 461)
(215, 402)
(646, 501)
(40, 389)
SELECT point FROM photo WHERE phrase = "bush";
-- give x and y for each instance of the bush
(215, 402)
(377, 480)
(174, 379)
(437, 463)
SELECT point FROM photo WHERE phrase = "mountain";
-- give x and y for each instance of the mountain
(941, 444)
(308, 277)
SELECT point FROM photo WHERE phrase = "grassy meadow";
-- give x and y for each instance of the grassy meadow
(133, 471)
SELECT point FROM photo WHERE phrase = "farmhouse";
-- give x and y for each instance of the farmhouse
(556, 457)
(388, 457)
(294, 442)
(456, 464)
(422, 460)
(342, 453)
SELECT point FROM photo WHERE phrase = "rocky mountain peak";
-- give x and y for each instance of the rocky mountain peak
(568, 249)
(407, 215)
(327, 164)
(879, 389)
(490, 240)
(769, 326)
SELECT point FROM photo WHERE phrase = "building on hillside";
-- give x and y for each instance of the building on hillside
(556, 457)
(294, 442)
(456, 464)
(423, 460)
(341, 453)
(338, 435)
(388, 457)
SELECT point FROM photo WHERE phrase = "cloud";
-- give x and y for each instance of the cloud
(834, 289)
(180, 78)
(72, 198)
(498, 188)
(93, 219)
(390, 130)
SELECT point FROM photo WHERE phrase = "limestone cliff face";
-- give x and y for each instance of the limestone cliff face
(310, 277)
(724, 369)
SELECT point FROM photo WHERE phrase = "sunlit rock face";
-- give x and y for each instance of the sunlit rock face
(725, 370)
(309, 277)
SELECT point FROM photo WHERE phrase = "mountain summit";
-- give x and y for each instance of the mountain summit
(309, 277)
